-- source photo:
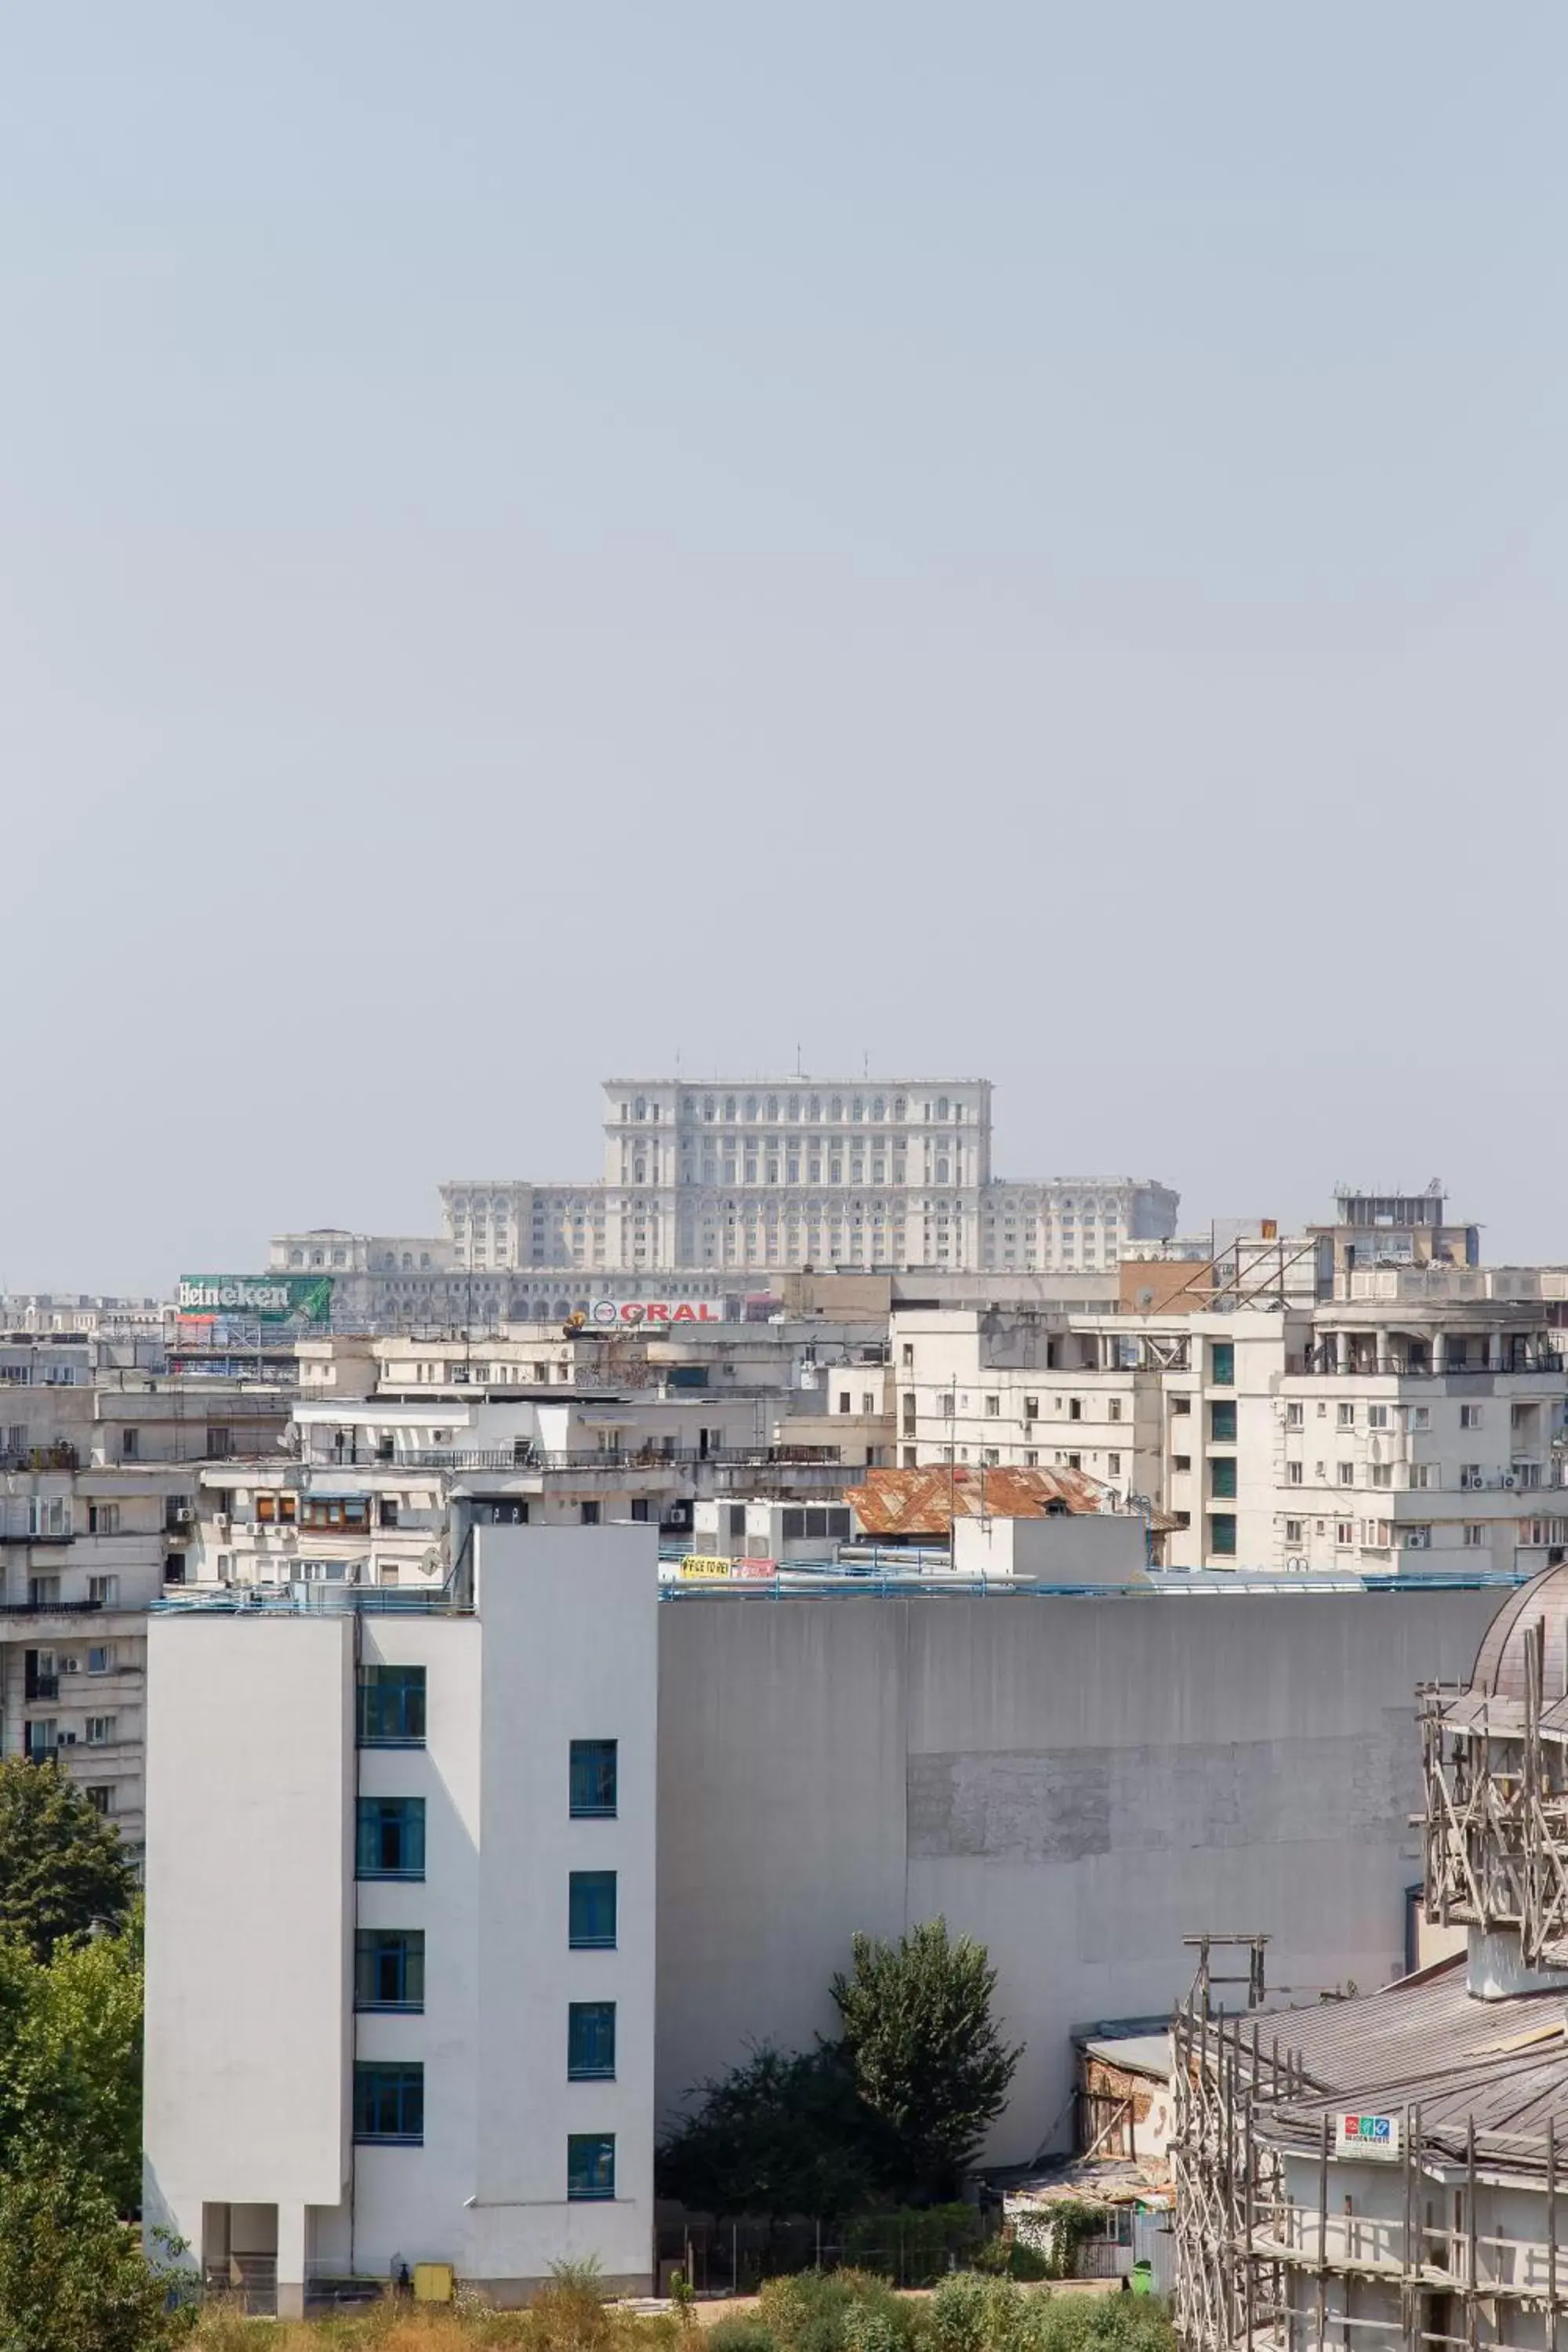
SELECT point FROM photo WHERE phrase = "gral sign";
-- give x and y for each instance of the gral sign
(606, 1311)
(1374, 2135)
(302, 1298)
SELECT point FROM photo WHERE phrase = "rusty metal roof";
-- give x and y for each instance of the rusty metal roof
(925, 1502)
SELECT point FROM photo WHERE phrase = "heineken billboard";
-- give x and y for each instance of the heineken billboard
(305, 1299)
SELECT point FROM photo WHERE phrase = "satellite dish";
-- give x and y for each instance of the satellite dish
(1145, 1300)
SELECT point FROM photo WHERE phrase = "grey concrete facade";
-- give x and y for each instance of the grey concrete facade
(1078, 1782)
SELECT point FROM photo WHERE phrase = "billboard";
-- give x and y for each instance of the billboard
(1376, 2136)
(627, 1312)
(303, 1299)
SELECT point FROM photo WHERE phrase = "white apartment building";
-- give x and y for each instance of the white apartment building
(98, 1493)
(764, 1176)
(416, 2024)
(380, 1479)
(1362, 1435)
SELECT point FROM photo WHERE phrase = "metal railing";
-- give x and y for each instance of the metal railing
(772, 1457)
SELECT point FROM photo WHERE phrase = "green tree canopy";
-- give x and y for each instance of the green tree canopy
(71, 2273)
(925, 2053)
(782, 2133)
(70, 2058)
(62, 1868)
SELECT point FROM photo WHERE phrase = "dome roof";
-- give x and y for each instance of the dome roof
(1500, 1662)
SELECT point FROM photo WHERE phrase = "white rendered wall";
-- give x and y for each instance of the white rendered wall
(571, 1652)
(249, 1770)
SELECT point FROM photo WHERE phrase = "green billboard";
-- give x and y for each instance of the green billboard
(305, 1299)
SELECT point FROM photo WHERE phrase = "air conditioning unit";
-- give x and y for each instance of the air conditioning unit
(220, 1522)
(70, 1665)
(66, 1740)
(1508, 1479)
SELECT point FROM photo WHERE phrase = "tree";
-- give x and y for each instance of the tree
(70, 2271)
(62, 1868)
(926, 2057)
(70, 2058)
(783, 2132)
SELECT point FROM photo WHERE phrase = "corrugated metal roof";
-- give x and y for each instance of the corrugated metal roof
(925, 1502)
(1428, 2042)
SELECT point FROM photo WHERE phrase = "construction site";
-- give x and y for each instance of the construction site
(1384, 2173)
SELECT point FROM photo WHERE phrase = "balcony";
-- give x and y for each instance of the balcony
(44, 1608)
(59, 1456)
(41, 1686)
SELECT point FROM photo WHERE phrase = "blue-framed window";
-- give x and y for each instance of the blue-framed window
(389, 1967)
(1222, 1421)
(390, 1838)
(1222, 1476)
(392, 1706)
(389, 2104)
(1221, 1534)
(590, 2041)
(593, 1772)
(1222, 1363)
(592, 1911)
(590, 2166)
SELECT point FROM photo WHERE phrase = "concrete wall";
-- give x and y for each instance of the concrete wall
(249, 1871)
(1078, 1783)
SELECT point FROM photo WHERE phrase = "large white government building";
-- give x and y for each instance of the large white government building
(766, 1175)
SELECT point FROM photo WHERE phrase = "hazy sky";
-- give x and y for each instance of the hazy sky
(1024, 539)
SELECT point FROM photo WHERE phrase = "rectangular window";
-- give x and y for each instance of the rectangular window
(590, 2166)
(1222, 1476)
(1475, 1535)
(1114, 1465)
(103, 1519)
(389, 2104)
(104, 1590)
(1377, 1416)
(1344, 1533)
(1423, 1474)
(594, 1767)
(101, 1660)
(1347, 1417)
(1420, 1416)
(590, 2041)
(1181, 1404)
(390, 1837)
(386, 1511)
(993, 1407)
(1075, 1408)
(391, 1706)
(1292, 1416)
(1113, 1410)
(1292, 1474)
(1181, 1462)
(101, 1797)
(591, 1926)
(1222, 1363)
(1347, 1473)
(101, 1731)
(1222, 1423)
(1293, 1530)
(1222, 1535)
(1469, 1416)
(389, 1967)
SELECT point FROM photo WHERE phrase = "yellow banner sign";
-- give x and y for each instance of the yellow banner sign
(697, 1564)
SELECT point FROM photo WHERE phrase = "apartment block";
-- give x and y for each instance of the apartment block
(418, 2024)
(1345, 1435)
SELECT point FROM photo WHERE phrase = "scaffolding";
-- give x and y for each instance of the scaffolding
(1261, 2269)
(1496, 1822)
